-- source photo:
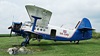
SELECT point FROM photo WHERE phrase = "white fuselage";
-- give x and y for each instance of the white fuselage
(66, 33)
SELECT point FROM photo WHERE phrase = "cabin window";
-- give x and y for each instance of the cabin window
(36, 25)
(46, 27)
(77, 24)
(40, 29)
(37, 28)
(43, 29)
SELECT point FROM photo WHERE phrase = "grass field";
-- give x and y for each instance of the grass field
(50, 48)
(6, 35)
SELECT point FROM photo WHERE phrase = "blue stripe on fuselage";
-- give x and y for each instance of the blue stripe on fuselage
(76, 36)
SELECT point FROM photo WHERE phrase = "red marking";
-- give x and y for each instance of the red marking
(66, 34)
(64, 31)
(61, 33)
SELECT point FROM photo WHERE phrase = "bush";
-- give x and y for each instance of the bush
(95, 35)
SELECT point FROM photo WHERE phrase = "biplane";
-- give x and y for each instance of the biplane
(39, 28)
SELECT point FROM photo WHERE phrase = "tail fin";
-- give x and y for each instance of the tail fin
(85, 28)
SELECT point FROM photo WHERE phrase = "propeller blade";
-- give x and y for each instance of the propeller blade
(11, 33)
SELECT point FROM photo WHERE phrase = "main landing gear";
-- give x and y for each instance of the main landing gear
(28, 36)
(27, 39)
(77, 42)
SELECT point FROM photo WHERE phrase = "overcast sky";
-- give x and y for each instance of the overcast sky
(65, 12)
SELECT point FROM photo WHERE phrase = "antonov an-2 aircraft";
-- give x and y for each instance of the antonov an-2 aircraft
(39, 28)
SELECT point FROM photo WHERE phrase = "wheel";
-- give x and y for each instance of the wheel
(77, 42)
(23, 44)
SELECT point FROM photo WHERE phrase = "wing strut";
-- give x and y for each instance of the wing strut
(35, 20)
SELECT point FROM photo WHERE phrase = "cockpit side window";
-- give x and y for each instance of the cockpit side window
(27, 23)
(37, 28)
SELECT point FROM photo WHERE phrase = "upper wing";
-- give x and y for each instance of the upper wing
(39, 12)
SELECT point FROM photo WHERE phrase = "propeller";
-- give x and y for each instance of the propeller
(10, 30)
(11, 33)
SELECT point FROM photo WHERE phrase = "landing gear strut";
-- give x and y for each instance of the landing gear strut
(23, 44)
(27, 39)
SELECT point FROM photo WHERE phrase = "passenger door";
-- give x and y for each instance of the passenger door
(53, 33)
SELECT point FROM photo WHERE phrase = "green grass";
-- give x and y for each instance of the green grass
(50, 48)
(6, 35)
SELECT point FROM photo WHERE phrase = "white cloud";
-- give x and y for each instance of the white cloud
(9, 12)
(66, 12)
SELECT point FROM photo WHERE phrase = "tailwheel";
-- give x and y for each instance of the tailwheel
(23, 44)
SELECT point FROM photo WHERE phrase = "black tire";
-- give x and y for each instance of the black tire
(77, 42)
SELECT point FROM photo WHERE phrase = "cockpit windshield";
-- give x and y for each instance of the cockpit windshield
(27, 23)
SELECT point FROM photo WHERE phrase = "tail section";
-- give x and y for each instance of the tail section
(85, 28)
